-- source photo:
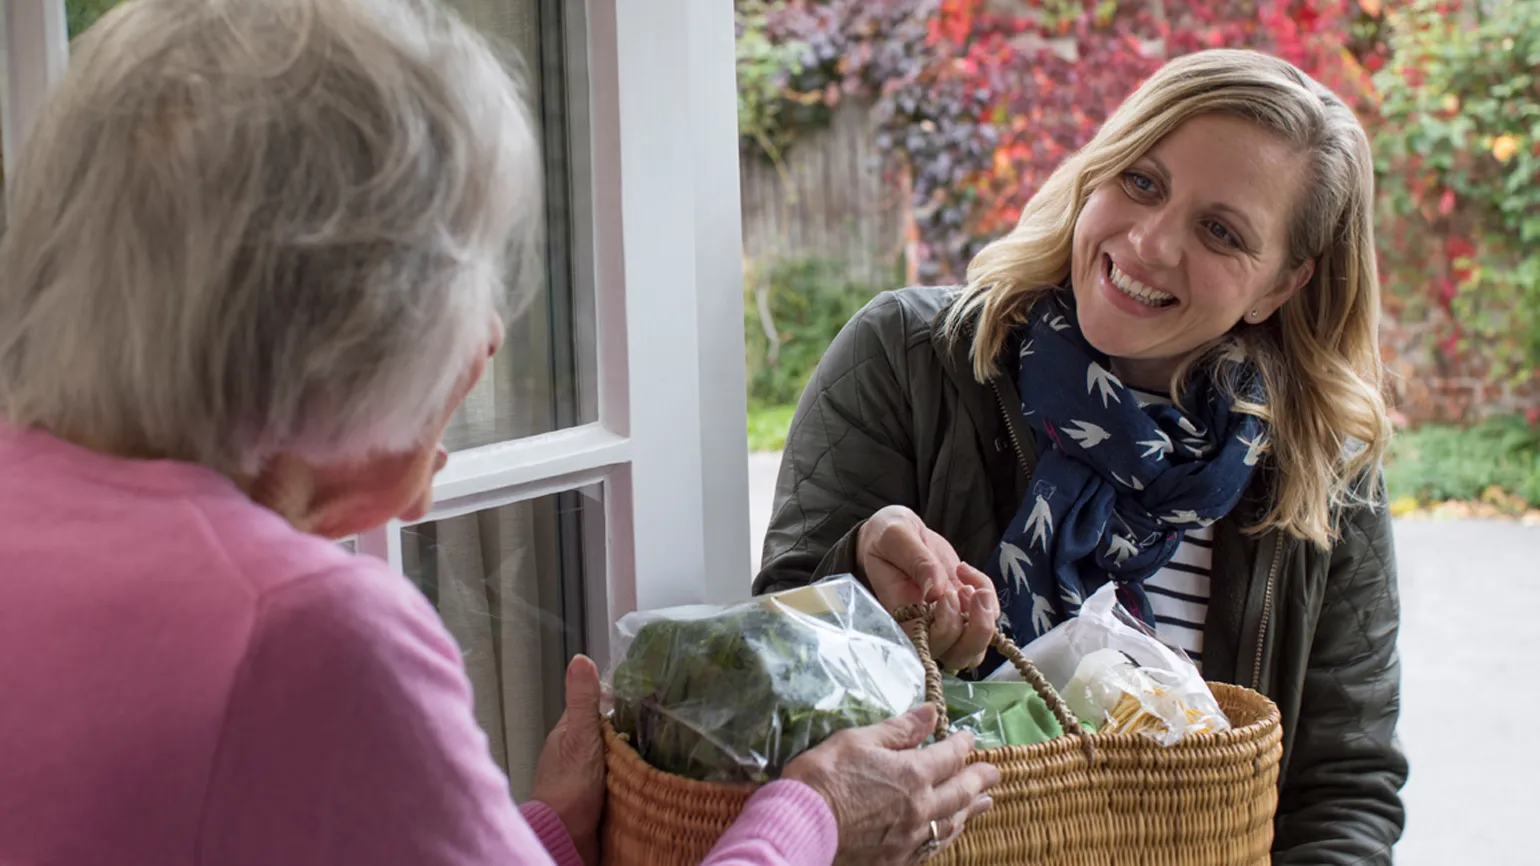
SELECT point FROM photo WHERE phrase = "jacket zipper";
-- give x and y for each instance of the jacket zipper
(1267, 613)
(1021, 456)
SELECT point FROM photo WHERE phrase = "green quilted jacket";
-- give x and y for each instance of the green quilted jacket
(893, 416)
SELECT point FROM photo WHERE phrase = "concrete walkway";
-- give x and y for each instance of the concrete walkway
(1470, 639)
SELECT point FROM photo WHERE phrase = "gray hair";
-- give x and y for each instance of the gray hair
(247, 228)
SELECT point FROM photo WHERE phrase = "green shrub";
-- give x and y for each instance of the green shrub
(81, 14)
(804, 303)
(1439, 463)
(1457, 151)
(768, 426)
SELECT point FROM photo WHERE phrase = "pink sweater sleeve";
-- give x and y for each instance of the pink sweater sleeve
(350, 739)
(552, 832)
(784, 824)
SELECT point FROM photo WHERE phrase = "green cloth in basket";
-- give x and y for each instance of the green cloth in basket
(999, 713)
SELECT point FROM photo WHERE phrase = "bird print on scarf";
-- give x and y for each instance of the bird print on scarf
(1116, 484)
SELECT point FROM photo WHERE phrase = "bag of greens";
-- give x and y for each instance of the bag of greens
(734, 693)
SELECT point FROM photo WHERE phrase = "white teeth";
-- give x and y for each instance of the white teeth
(1137, 290)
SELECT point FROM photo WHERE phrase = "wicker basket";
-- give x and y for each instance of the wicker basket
(1090, 799)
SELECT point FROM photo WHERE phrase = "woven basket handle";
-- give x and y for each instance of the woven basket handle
(917, 620)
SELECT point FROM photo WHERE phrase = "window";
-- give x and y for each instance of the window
(32, 54)
(543, 378)
(600, 467)
(509, 582)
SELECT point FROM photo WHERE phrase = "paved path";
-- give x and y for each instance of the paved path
(1470, 646)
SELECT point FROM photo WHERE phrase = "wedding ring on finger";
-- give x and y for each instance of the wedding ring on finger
(933, 845)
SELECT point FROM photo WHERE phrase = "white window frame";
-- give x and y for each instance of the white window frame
(36, 46)
(657, 248)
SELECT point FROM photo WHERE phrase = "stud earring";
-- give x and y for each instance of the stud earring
(1254, 314)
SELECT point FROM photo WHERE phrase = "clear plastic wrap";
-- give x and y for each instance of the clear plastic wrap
(734, 693)
(1114, 672)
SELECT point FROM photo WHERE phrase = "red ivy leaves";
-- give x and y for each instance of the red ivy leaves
(984, 106)
(1446, 203)
(1062, 84)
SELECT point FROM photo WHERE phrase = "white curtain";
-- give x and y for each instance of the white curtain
(484, 571)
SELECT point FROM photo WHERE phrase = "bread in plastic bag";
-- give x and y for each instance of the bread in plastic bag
(734, 693)
(1113, 671)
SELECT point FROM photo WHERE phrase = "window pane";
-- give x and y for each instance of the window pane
(5, 100)
(509, 584)
(541, 380)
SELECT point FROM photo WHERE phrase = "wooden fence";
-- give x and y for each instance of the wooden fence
(834, 200)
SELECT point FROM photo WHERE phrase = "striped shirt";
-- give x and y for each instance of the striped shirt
(1179, 592)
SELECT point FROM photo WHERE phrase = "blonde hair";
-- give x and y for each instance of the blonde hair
(242, 229)
(1318, 357)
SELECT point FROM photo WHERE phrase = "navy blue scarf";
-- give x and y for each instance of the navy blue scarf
(1115, 485)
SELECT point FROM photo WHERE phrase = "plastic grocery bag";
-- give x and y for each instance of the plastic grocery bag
(734, 693)
(1113, 671)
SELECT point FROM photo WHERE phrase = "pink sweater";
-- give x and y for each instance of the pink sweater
(184, 679)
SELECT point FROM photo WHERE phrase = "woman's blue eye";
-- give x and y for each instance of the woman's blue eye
(1139, 182)
(1223, 235)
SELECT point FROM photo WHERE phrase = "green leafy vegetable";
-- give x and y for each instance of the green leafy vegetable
(736, 694)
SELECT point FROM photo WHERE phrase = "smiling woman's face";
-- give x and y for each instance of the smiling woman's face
(1189, 240)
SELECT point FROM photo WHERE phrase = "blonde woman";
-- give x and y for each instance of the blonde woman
(1166, 376)
(254, 262)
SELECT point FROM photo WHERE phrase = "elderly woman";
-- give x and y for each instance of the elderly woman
(254, 262)
(1167, 376)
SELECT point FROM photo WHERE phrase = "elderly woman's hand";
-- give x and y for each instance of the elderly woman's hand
(570, 774)
(906, 563)
(887, 796)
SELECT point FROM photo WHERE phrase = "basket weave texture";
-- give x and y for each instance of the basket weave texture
(1078, 800)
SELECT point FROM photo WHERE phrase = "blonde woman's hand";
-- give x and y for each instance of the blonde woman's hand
(906, 563)
(885, 793)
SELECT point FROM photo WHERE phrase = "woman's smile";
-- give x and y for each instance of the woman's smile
(1131, 294)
